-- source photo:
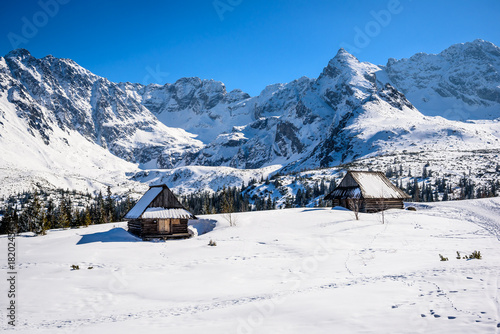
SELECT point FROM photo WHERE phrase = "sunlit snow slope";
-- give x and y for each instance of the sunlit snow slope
(284, 271)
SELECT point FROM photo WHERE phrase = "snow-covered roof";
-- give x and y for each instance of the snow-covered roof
(143, 203)
(368, 185)
(166, 213)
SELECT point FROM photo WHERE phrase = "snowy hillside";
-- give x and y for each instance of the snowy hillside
(63, 126)
(284, 271)
(69, 162)
(462, 82)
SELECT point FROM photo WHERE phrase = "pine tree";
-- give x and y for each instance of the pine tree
(445, 195)
(87, 219)
(45, 224)
(65, 217)
(9, 221)
(109, 207)
(32, 215)
(50, 214)
(416, 191)
(227, 201)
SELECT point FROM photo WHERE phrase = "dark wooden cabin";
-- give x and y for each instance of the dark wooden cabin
(159, 214)
(367, 192)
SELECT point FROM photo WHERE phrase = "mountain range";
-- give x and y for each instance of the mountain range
(63, 126)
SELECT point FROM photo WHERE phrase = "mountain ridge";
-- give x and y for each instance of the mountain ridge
(352, 110)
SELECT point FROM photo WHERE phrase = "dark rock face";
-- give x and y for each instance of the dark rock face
(464, 76)
(76, 100)
(302, 124)
(285, 121)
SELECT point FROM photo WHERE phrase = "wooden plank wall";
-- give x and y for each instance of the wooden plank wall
(149, 227)
(348, 181)
(166, 199)
(373, 205)
(134, 227)
(180, 226)
(376, 205)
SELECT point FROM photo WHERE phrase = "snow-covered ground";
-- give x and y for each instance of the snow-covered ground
(286, 271)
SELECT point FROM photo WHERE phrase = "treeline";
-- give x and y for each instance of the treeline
(231, 199)
(40, 210)
(250, 198)
(270, 194)
(425, 188)
(466, 189)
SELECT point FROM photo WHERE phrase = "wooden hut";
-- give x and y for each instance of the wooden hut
(159, 214)
(367, 192)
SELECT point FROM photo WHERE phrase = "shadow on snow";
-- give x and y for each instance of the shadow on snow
(117, 234)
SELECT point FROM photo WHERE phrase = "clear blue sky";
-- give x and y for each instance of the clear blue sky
(246, 44)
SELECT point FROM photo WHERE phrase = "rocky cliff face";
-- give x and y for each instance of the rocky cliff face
(51, 92)
(462, 82)
(351, 110)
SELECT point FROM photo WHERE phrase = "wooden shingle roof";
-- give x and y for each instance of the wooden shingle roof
(363, 184)
(158, 202)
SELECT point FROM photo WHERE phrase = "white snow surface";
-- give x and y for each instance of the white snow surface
(82, 129)
(373, 185)
(284, 271)
(166, 213)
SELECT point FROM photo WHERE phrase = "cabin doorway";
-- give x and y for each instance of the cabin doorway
(164, 225)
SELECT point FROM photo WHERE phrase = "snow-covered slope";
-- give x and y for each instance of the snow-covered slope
(52, 92)
(284, 271)
(352, 110)
(462, 82)
(70, 161)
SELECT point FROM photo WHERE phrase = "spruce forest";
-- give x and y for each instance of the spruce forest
(40, 210)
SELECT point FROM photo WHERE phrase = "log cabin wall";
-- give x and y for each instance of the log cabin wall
(376, 204)
(134, 227)
(372, 205)
(158, 227)
(179, 226)
(149, 227)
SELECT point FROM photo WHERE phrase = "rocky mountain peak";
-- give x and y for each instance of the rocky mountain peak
(352, 108)
(18, 53)
(459, 83)
(339, 63)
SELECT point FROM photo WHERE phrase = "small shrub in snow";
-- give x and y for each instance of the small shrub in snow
(75, 267)
(475, 255)
(212, 243)
(443, 258)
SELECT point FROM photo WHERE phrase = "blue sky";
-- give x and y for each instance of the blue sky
(246, 44)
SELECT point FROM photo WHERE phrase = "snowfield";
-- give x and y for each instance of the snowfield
(313, 270)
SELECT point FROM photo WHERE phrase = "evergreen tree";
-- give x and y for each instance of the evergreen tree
(65, 216)
(109, 207)
(227, 201)
(416, 191)
(445, 195)
(87, 218)
(50, 214)
(32, 215)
